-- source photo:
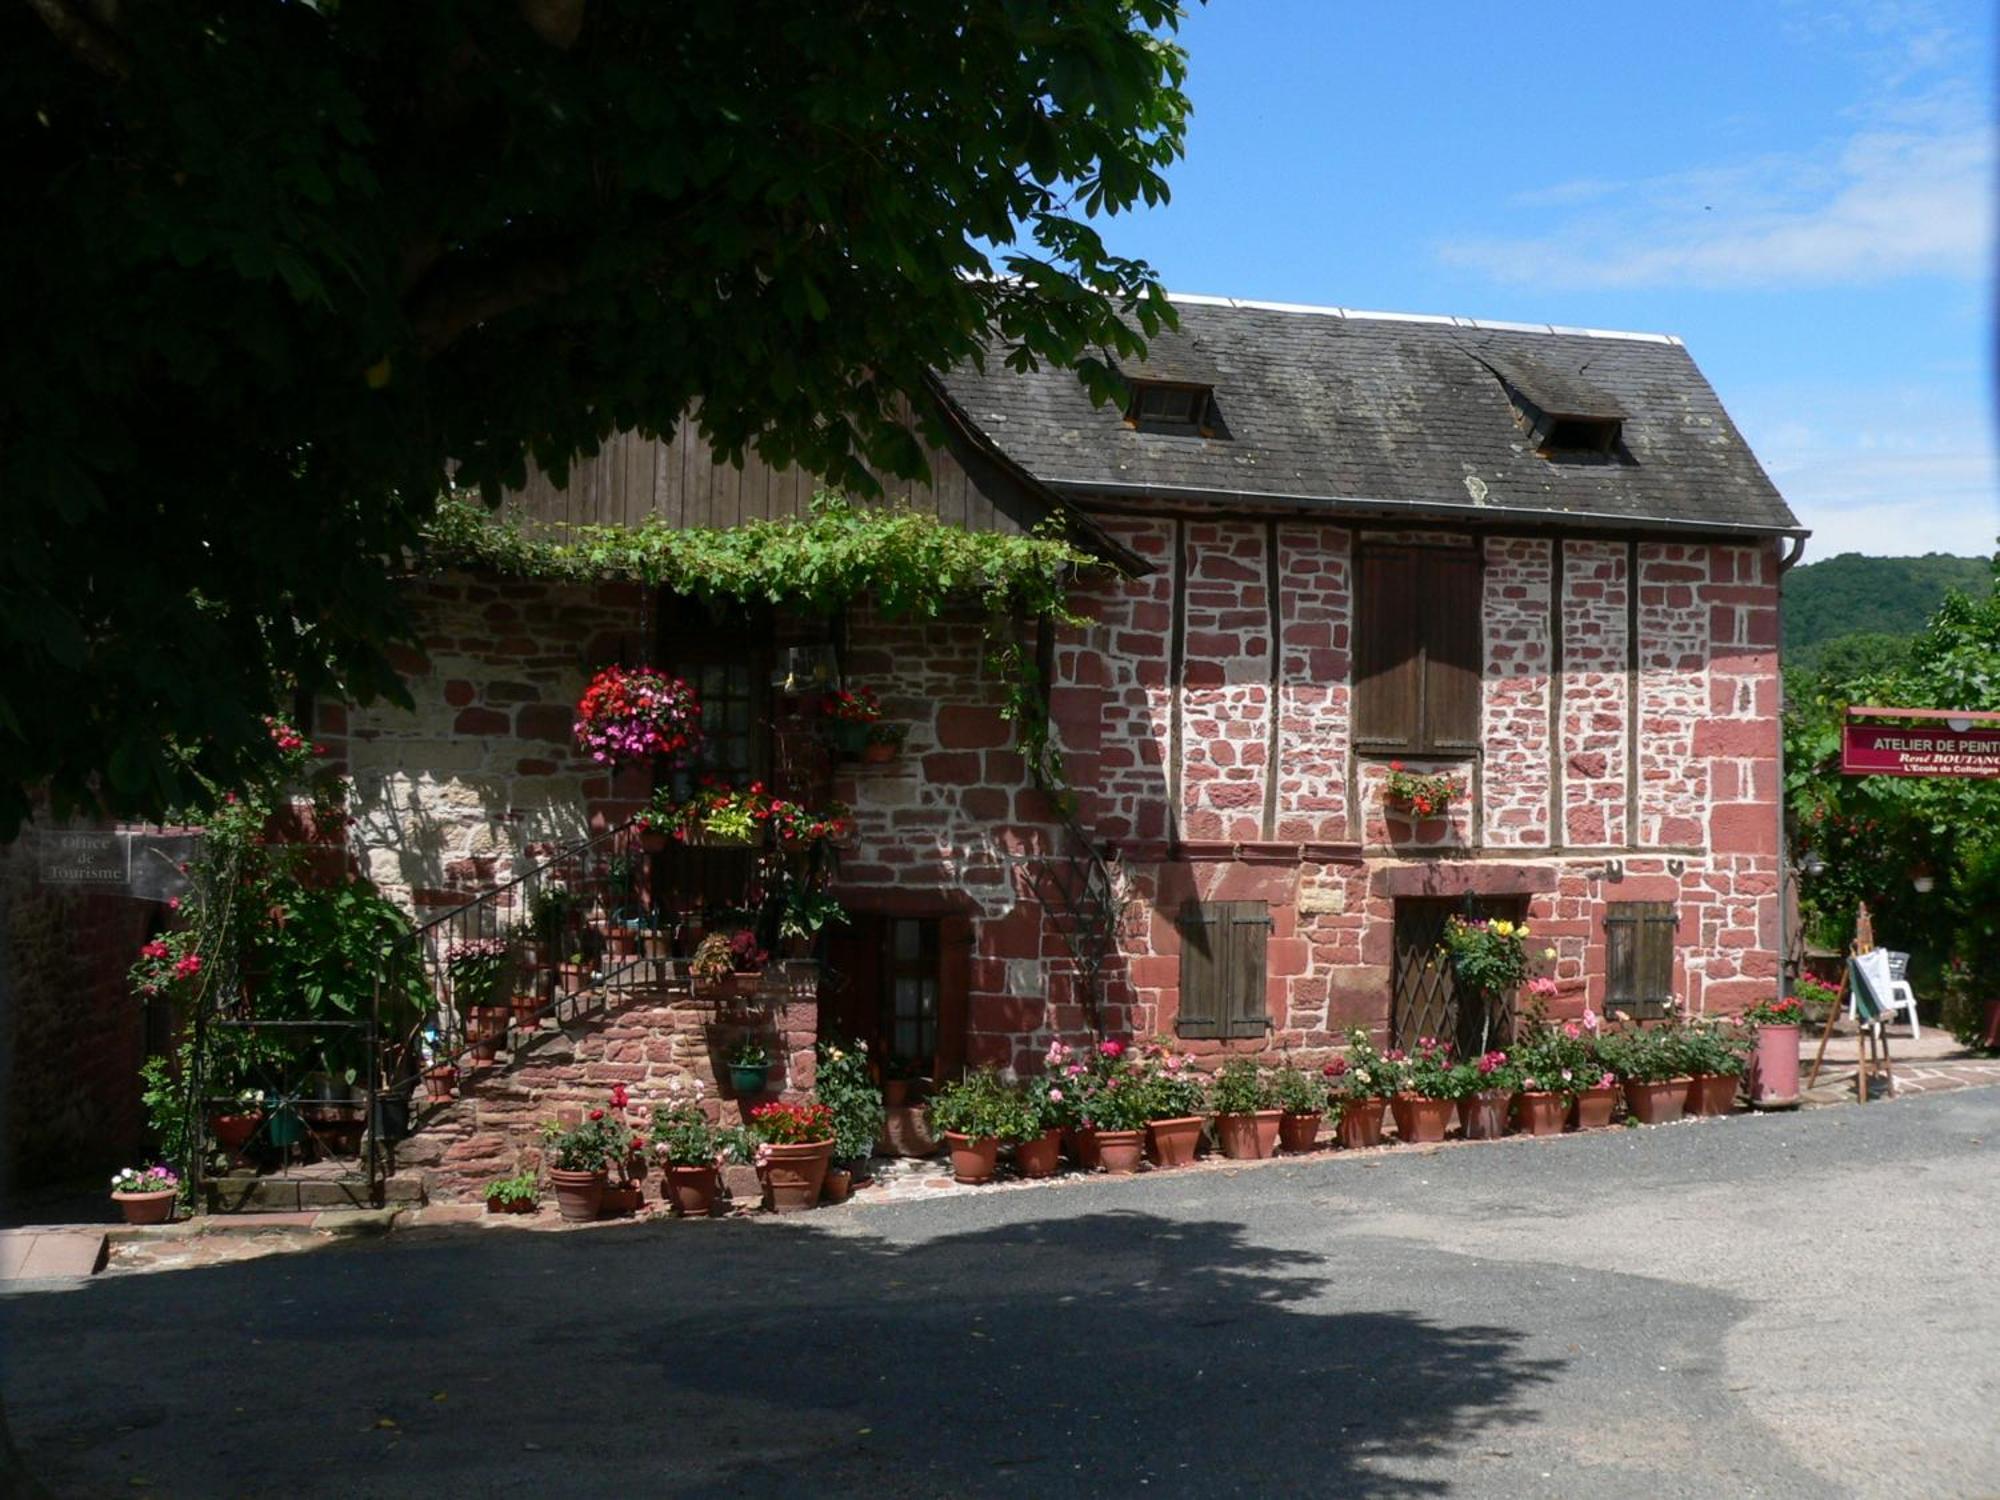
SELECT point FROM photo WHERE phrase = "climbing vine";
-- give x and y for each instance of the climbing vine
(907, 564)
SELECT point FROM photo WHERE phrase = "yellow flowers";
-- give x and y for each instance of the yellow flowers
(1504, 929)
(1548, 953)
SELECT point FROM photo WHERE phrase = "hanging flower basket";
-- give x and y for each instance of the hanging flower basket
(637, 714)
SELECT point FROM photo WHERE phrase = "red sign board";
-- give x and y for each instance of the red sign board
(1917, 749)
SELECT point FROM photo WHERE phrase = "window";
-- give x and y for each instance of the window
(1417, 650)
(1581, 435)
(1223, 947)
(1161, 406)
(728, 663)
(1639, 956)
(910, 998)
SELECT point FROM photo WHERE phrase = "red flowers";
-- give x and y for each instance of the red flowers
(154, 949)
(856, 706)
(619, 1097)
(632, 715)
(1112, 1049)
(597, 1114)
(780, 1124)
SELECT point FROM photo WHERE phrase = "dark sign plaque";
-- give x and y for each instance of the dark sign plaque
(1918, 749)
(84, 857)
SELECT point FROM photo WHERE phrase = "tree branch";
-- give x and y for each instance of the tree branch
(451, 300)
(89, 40)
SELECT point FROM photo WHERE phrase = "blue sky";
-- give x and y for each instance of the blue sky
(1801, 189)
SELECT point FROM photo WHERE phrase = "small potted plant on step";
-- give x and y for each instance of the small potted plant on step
(1301, 1100)
(1247, 1114)
(146, 1195)
(846, 716)
(691, 1150)
(580, 1159)
(519, 1194)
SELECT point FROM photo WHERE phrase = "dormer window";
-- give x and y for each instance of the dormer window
(1171, 407)
(1581, 434)
(1564, 414)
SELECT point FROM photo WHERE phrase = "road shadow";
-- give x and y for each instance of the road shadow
(1101, 1353)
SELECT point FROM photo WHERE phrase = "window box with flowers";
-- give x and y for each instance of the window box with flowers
(1420, 794)
(794, 1146)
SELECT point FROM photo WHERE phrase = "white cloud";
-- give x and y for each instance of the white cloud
(1912, 197)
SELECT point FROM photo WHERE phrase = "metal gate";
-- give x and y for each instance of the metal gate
(1423, 998)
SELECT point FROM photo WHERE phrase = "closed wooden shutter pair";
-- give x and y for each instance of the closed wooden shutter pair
(1639, 956)
(1223, 949)
(1417, 650)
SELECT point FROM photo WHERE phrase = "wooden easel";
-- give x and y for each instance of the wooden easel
(1869, 1036)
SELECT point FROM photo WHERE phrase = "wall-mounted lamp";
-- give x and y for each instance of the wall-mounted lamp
(1812, 866)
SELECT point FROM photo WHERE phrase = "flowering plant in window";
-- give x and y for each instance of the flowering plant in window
(636, 713)
(780, 1124)
(1425, 793)
(852, 706)
(1490, 957)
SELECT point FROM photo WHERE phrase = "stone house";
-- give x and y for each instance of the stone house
(1542, 560)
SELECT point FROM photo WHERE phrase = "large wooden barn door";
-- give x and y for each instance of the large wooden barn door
(1423, 998)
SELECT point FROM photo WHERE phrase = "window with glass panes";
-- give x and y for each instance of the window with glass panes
(910, 995)
(727, 662)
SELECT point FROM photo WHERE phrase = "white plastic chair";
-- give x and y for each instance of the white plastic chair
(1901, 996)
(1889, 991)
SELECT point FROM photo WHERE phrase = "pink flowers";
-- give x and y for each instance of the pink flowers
(187, 966)
(1113, 1049)
(1492, 1062)
(1056, 1095)
(1542, 987)
(155, 949)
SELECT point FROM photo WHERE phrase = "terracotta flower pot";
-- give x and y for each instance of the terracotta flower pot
(878, 753)
(839, 1182)
(146, 1208)
(1299, 1133)
(1250, 1137)
(1774, 1067)
(1594, 1107)
(1421, 1120)
(511, 1205)
(1361, 1123)
(652, 840)
(579, 1195)
(1711, 1093)
(1172, 1143)
(895, 1092)
(1081, 1144)
(793, 1175)
(1484, 1114)
(1541, 1112)
(234, 1132)
(487, 1025)
(1041, 1156)
(1656, 1103)
(691, 1190)
(523, 1010)
(439, 1082)
(973, 1158)
(1119, 1151)
(906, 1131)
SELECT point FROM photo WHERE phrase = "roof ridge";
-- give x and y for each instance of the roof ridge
(1494, 325)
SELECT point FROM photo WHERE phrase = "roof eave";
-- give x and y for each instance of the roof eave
(1363, 507)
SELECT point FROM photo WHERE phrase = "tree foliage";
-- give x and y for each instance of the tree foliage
(291, 265)
(1832, 602)
(1874, 834)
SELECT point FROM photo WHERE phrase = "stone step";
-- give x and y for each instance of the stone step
(290, 1195)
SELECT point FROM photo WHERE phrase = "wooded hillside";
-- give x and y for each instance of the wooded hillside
(1852, 595)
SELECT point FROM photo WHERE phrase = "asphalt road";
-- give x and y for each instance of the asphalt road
(1759, 1306)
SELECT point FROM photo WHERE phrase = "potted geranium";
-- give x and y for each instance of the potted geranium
(1175, 1098)
(580, 1158)
(1484, 1087)
(478, 967)
(1650, 1066)
(1301, 1100)
(1774, 1069)
(691, 1149)
(632, 714)
(1360, 1082)
(844, 1082)
(1424, 1100)
(146, 1195)
(845, 717)
(519, 1194)
(718, 814)
(1246, 1109)
(1419, 793)
(974, 1114)
(794, 1145)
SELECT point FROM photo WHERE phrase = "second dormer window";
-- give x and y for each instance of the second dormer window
(1170, 407)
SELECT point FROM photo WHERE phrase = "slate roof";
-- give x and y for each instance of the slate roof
(1383, 413)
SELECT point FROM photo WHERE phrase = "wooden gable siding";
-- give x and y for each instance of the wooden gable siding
(679, 480)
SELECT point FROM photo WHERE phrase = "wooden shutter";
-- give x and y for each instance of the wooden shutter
(1224, 949)
(1454, 648)
(1204, 941)
(1388, 652)
(1639, 955)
